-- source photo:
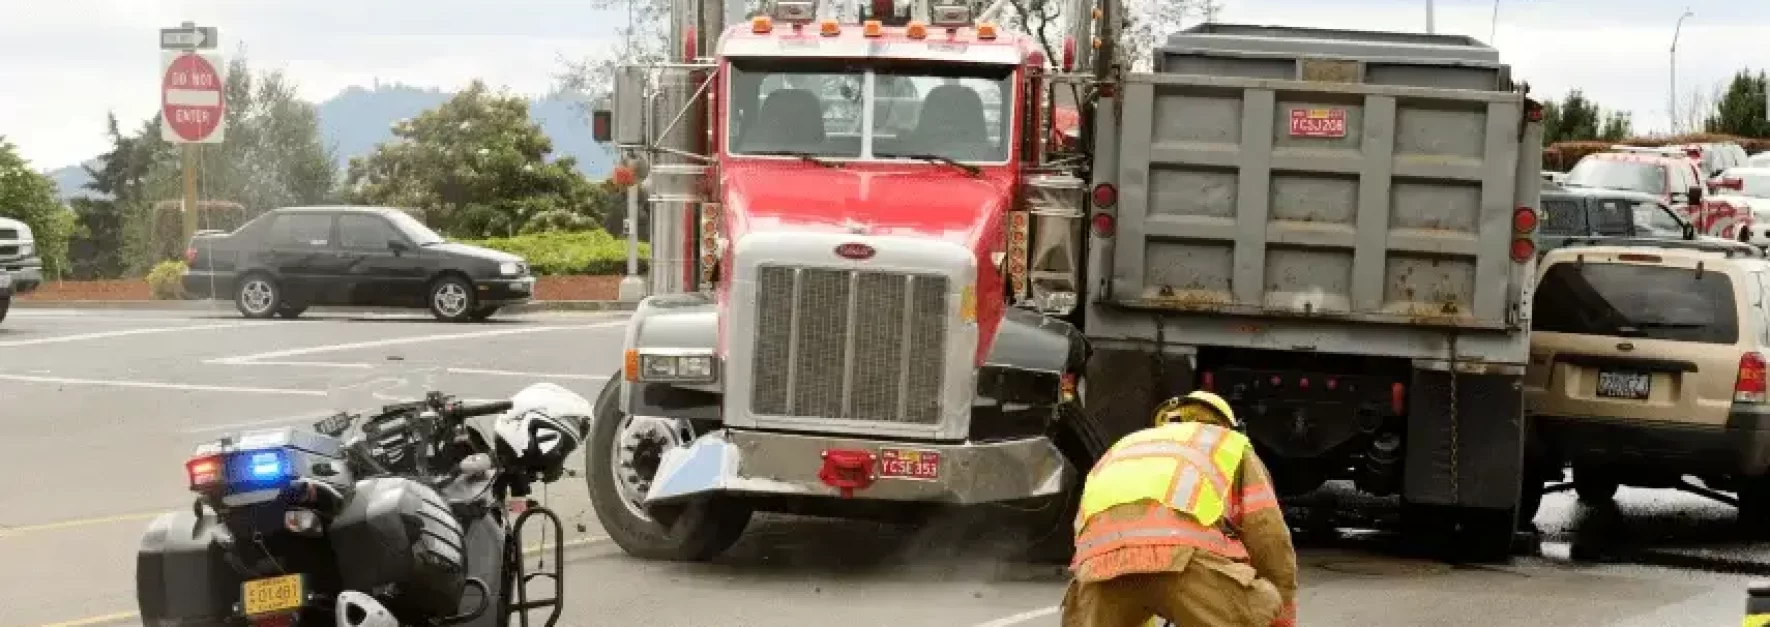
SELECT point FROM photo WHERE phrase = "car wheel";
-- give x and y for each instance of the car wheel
(5, 304)
(1594, 486)
(291, 311)
(619, 474)
(481, 314)
(1754, 508)
(258, 296)
(452, 299)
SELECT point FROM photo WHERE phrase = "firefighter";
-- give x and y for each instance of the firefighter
(1181, 521)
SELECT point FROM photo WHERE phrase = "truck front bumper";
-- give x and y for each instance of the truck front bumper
(769, 463)
(27, 273)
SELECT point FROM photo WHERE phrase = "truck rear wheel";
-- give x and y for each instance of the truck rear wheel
(697, 531)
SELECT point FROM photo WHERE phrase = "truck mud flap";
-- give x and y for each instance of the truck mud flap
(1488, 437)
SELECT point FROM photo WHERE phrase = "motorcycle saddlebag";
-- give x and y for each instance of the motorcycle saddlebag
(401, 532)
(181, 576)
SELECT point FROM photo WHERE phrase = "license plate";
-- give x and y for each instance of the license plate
(900, 463)
(268, 596)
(1629, 385)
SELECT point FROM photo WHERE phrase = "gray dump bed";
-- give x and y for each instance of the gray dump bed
(1276, 171)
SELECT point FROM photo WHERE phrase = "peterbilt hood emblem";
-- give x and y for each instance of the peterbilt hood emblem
(855, 250)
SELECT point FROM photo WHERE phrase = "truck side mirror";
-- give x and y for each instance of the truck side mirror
(1695, 195)
(627, 119)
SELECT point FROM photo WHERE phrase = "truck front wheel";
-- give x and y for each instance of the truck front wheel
(619, 454)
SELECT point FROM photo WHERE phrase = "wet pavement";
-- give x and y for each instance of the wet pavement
(101, 408)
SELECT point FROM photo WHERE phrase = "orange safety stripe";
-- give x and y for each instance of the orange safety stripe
(1258, 498)
(1158, 526)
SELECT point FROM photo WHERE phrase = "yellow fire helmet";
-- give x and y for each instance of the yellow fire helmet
(1199, 406)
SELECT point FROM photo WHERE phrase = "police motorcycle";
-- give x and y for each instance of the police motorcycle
(407, 515)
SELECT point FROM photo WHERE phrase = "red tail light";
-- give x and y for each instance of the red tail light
(1524, 220)
(1398, 398)
(1749, 387)
(1523, 249)
(190, 256)
(1105, 195)
(1208, 382)
(203, 472)
(1104, 225)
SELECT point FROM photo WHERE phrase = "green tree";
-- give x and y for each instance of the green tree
(477, 166)
(100, 246)
(1574, 118)
(1740, 110)
(30, 197)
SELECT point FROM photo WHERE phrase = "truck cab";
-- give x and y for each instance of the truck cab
(859, 328)
(18, 256)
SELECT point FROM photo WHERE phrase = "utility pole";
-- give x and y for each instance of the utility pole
(1431, 14)
(1672, 92)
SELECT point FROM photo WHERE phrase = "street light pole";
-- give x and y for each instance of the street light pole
(1672, 96)
(1431, 27)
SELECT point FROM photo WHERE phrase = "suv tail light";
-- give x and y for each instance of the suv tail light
(1749, 388)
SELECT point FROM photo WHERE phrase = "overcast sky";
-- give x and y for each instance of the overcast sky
(69, 61)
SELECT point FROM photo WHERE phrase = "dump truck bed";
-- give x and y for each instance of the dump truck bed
(1364, 177)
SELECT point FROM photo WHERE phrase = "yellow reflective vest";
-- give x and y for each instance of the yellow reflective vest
(1187, 466)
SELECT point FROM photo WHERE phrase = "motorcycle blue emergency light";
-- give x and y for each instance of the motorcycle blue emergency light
(259, 468)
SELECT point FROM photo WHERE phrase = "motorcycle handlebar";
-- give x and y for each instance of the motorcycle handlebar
(459, 411)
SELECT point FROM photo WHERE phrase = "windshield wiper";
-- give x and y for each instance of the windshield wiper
(795, 153)
(932, 158)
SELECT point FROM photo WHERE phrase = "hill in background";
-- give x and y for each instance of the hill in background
(358, 118)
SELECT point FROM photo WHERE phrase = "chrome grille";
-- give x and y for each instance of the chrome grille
(854, 345)
(8, 250)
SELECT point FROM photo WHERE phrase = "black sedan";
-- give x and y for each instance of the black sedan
(286, 260)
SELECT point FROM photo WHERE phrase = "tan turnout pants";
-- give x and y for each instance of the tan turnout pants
(1209, 591)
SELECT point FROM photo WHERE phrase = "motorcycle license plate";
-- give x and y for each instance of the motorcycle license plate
(269, 596)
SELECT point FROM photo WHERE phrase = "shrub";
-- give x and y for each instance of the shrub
(166, 280)
(559, 252)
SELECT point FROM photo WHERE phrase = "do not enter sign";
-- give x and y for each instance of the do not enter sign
(192, 107)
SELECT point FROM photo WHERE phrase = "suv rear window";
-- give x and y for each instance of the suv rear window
(1624, 300)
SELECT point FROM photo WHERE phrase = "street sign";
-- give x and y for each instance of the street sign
(192, 105)
(188, 38)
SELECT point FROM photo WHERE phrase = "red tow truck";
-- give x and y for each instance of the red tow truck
(841, 337)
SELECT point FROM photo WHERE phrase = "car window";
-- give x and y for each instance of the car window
(301, 230)
(1636, 176)
(1655, 221)
(365, 232)
(1563, 217)
(1611, 217)
(1642, 301)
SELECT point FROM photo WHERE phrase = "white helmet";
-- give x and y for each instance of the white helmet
(541, 429)
(355, 609)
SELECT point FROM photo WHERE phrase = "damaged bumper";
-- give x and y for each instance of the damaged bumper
(767, 463)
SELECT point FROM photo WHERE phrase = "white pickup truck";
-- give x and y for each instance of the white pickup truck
(18, 256)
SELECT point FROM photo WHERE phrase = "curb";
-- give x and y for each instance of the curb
(218, 306)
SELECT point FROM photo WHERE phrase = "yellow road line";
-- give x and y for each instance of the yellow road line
(121, 616)
(7, 532)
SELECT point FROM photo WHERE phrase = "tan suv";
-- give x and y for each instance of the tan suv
(1647, 363)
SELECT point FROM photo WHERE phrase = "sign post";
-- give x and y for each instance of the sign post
(193, 107)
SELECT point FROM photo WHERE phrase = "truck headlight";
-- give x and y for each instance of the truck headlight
(26, 248)
(677, 368)
(509, 268)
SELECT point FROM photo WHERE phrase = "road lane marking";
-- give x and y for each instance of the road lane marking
(253, 359)
(533, 375)
(305, 364)
(127, 332)
(154, 385)
(1022, 617)
(11, 532)
(122, 616)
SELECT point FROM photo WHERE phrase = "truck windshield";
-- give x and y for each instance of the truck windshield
(1647, 178)
(918, 111)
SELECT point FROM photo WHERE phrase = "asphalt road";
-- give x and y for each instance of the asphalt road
(99, 409)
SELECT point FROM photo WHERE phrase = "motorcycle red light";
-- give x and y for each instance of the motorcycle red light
(204, 472)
